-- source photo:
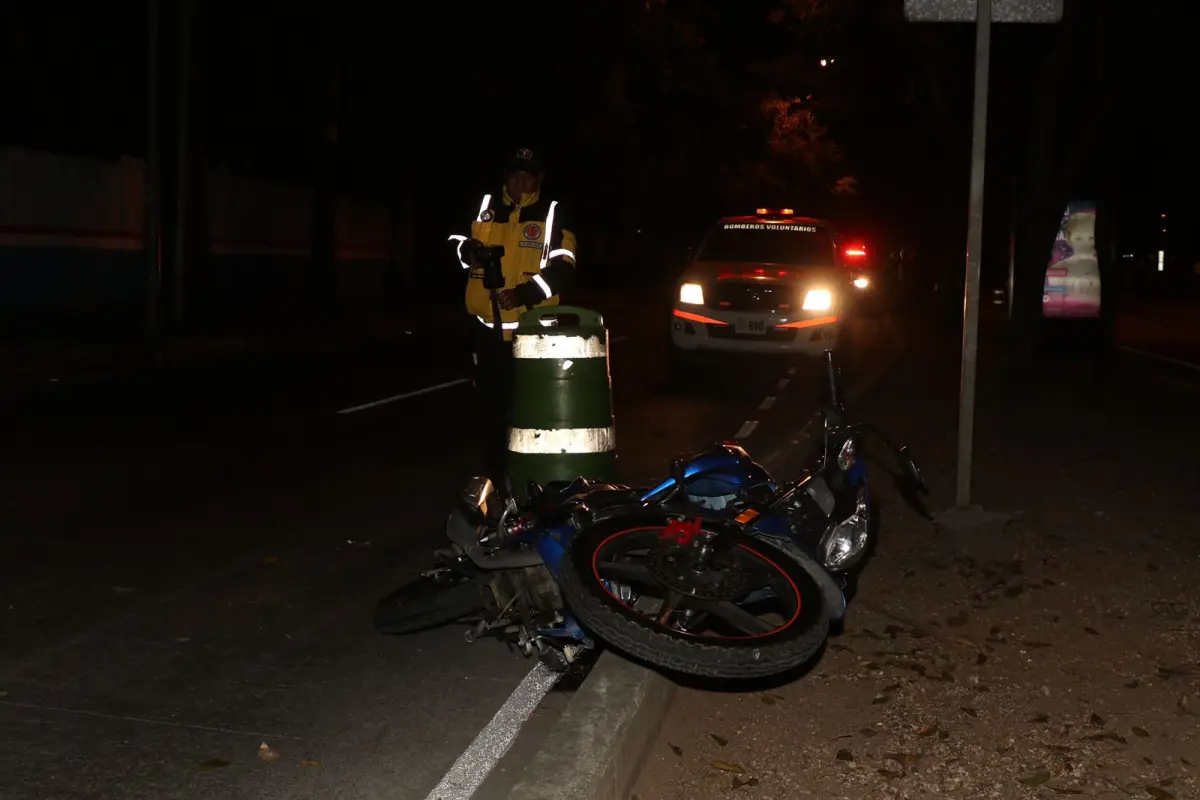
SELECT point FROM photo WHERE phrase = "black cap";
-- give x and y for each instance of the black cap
(524, 160)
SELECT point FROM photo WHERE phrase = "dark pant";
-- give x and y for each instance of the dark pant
(493, 385)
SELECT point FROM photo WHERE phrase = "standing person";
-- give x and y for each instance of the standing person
(538, 264)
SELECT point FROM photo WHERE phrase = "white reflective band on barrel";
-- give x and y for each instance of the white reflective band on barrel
(537, 441)
(541, 345)
(458, 237)
(487, 200)
(540, 281)
(508, 326)
(549, 234)
(561, 252)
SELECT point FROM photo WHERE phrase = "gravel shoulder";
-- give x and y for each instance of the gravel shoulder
(1054, 654)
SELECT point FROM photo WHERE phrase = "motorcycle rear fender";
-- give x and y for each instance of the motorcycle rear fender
(831, 591)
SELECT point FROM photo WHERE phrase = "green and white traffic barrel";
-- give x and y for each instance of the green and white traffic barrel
(562, 419)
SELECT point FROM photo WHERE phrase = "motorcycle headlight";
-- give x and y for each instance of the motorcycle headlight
(847, 455)
(692, 294)
(845, 543)
(818, 300)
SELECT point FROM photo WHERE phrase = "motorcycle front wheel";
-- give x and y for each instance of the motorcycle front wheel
(430, 602)
(651, 585)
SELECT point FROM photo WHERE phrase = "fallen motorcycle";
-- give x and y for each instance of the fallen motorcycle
(717, 571)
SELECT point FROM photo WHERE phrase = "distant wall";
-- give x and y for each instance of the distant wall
(71, 239)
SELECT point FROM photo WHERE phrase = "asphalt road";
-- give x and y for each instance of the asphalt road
(190, 560)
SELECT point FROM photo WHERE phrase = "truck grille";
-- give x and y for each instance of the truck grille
(749, 296)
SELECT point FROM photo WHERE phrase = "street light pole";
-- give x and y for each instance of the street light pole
(970, 346)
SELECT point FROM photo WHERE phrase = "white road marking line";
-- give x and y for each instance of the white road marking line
(767, 402)
(405, 396)
(783, 382)
(473, 766)
(1179, 362)
(746, 429)
(791, 370)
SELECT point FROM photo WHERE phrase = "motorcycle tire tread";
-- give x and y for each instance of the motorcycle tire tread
(450, 604)
(594, 607)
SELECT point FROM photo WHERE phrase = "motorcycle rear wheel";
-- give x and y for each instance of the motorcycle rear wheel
(749, 654)
(430, 602)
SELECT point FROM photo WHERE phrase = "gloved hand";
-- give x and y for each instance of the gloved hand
(469, 250)
(508, 299)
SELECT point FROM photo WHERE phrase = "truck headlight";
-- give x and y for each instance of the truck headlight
(691, 294)
(818, 300)
(861, 283)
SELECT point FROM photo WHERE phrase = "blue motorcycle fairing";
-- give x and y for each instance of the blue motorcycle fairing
(724, 463)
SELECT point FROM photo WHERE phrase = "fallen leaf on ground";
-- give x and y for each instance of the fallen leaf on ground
(266, 753)
(1109, 735)
(308, 762)
(1059, 790)
(970, 712)
(725, 766)
(880, 699)
(739, 783)
(1159, 794)
(844, 755)
(1036, 779)
(1091, 630)
(1041, 718)
(980, 659)
(720, 740)
(214, 763)
(890, 774)
(1133, 684)
(868, 732)
(928, 730)
(1142, 732)
(676, 749)
(1036, 645)
(1097, 720)
(904, 759)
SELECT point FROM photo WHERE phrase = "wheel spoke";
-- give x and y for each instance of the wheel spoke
(734, 615)
(626, 572)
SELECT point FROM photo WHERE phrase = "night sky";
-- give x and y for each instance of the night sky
(431, 103)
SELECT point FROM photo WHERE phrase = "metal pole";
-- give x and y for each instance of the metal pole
(183, 163)
(1012, 249)
(970, 346)
(152, 240)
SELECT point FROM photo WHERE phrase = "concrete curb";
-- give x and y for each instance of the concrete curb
(596, 749)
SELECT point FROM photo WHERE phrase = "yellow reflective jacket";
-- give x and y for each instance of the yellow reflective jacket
(539, 255)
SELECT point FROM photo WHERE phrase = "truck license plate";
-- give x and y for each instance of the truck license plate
(758, 326)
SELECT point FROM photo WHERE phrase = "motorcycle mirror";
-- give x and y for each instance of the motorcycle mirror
(914, 472)
(476, 492)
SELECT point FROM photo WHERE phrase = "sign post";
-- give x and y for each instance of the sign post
(983, 13)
